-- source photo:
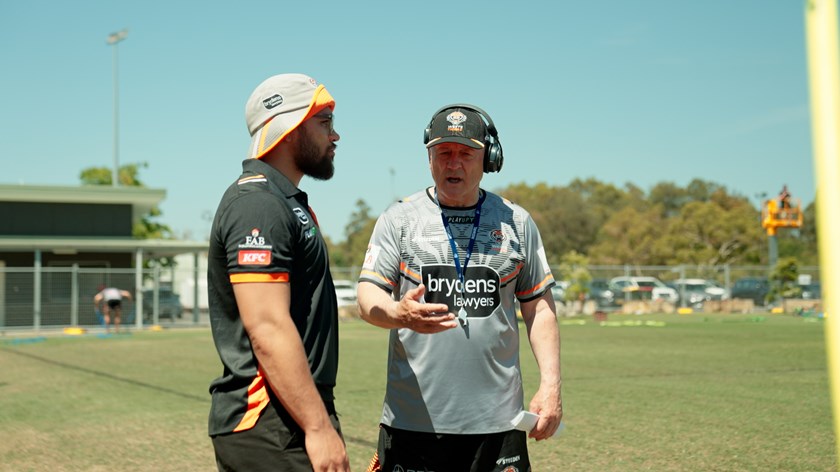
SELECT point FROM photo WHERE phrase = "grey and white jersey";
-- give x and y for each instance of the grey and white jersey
(465, 380)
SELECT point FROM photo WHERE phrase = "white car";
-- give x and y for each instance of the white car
(558, 291)
(642, 286)
(698, 291)
(345, 292)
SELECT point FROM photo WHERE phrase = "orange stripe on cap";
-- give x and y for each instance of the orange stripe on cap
(259, 277)
(257, 400)
(320, 99)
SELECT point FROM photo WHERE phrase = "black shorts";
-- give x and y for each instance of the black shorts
(409, 450)
(114, 303)
(275, 443)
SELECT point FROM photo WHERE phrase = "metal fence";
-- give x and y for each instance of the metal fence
(53, 297)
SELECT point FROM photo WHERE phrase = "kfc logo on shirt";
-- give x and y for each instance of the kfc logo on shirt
(254, 258)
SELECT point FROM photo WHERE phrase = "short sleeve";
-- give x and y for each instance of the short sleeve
(536, 277)
(258, 240)
(381, 265)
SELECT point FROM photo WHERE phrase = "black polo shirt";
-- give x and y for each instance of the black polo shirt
(264, 231)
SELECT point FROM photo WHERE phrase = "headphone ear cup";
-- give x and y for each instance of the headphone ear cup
(493, 158)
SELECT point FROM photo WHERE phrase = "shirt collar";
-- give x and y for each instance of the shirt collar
(273, 175)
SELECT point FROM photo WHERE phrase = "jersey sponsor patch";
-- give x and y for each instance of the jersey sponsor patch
(478, 295)
(544, 260)
(302, 216)
(254, 258)
(371, 255)
(254, 240)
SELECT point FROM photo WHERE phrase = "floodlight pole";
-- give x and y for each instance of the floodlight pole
(113, 40)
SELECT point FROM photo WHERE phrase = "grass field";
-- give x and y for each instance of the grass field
(701, 393)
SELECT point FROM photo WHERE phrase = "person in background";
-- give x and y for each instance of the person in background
(443, 272)
(112, 306)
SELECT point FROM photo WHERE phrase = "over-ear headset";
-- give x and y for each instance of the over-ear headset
(493, 157)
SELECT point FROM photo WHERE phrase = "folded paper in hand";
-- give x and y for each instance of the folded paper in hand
(525, 421)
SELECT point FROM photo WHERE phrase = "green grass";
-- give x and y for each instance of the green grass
(702, 393)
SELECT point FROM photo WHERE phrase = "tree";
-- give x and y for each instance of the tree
(629, 237)
(700, 224)
(704, 233)
(574, 269)
(147, 227)
(783, 280)
(570, 217)
(128, 175)
(357, 232)
(671, 197)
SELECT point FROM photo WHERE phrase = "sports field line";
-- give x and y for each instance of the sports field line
(107, 375)
(157, 388)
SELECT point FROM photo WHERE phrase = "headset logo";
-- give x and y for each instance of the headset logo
(254, 258)
(478, 295)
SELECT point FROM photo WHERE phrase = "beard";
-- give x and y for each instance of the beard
(314, 162)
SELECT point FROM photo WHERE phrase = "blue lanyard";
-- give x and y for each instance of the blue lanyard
(458, 269)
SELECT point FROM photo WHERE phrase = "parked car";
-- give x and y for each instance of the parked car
(698, 291)
(345, 292)
(559, 294)
(169, 304)
(812, 291)
(599, 290)
(558, 291)
(643, 288)
(751, 288)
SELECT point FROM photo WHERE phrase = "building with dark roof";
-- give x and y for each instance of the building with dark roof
(48, 230)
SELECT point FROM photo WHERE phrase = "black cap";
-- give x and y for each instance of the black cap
(458, 125)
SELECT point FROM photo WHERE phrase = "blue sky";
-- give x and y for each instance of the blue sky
(624, 91)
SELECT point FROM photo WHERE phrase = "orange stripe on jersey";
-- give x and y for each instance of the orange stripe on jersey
(409, 274)
(513, 274)
(374, 465)
(314, 217)
(377, 276)
(257, 400)
(245, 180)
(257, 277)
(548, 279)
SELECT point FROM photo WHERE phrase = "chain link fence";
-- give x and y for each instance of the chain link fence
(53, 297)
(56, 297)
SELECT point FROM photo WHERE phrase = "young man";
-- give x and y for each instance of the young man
(273, 309)
(112, 308)
(443, 271)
